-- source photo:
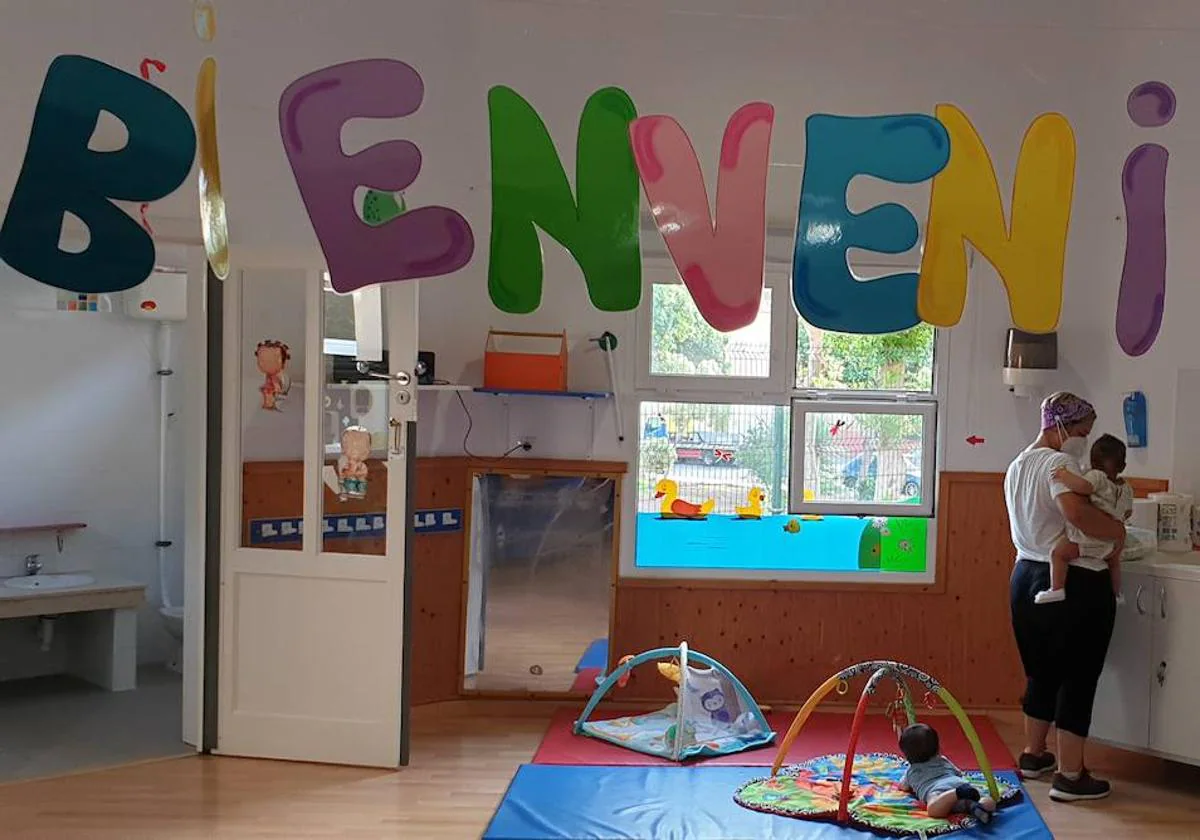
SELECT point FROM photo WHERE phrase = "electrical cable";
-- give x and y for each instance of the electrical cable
(471, 425)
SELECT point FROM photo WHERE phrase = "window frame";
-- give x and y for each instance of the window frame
(775, 382)
(781, 389)
(927, 409)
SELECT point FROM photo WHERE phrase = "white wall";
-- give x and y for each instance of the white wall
(79, 443)
(697, 60)
(1081, 59)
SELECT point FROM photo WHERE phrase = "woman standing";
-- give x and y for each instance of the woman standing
(1062, 645)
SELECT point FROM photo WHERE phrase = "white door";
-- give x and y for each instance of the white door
(1176, 669)
(316, 457)
(1122, 710)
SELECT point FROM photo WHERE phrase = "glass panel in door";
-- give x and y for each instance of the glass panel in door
(271, 360)
(354, 424)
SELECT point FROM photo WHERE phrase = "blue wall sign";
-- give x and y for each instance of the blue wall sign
(438, 521)
(353, 525)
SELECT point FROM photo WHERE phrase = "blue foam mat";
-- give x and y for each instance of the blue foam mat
(548, 802)
(596, 656)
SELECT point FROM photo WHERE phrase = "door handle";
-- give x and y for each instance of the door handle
(1162, 602)
(1137, 599)
(1161, 674)
(397, 429)
(400, 377)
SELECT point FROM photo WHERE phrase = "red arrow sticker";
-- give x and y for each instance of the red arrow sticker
(975, 440)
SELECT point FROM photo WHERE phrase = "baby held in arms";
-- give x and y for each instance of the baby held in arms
(1108, 492)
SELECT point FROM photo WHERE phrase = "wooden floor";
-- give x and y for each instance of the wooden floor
(481, 744)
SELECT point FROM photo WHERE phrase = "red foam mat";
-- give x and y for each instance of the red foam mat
(585, 681)
(825, 732)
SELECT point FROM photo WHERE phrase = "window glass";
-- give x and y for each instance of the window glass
(683, 344)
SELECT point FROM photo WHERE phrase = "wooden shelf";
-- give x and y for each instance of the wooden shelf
(57, 528)
(577, 395)
(446, 386)
(33, 529)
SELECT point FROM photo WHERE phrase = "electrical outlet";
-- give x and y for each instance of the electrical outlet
(526, 442)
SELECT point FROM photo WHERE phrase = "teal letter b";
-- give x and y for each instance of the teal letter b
(61, 174)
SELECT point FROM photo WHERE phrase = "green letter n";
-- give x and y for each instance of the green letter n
(529, 187)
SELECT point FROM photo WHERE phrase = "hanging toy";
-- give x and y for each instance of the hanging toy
(352, 463)
(897, 712)
(670, 670)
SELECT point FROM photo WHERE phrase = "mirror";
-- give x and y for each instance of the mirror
(539, 589)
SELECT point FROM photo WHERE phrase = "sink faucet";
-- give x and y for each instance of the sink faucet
(33, 564)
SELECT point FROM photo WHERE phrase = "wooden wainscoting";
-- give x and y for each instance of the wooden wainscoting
(442, 483)
(783, 641)
(274, 490)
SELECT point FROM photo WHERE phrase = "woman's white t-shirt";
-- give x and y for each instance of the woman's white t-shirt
(1034, 518)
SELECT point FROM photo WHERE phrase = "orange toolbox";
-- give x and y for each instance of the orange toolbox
(541, 367)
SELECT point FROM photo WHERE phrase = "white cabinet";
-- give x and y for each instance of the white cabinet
(1121, 714)
(1175, 689)
(1149, 694)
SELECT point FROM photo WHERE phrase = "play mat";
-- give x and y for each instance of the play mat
(654, 734)
(811, 789)
(713, 714)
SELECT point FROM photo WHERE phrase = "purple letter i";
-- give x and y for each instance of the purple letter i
(1144, 185)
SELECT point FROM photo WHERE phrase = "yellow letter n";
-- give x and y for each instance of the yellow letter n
(965, 206)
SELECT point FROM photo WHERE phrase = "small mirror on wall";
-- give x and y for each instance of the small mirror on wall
(539, 583)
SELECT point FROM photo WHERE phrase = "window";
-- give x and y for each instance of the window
(714, 452)
(862, 457)
(681, 352)
(758, 455)
(899, 362)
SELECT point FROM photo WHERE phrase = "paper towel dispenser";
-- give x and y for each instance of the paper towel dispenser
(1029, 359)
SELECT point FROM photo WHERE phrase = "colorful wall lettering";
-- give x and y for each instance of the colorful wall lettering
(599, 227)
(719, 253)
(1143, 291)
(1029, 251)
(906, 149)
(721, 259)
(62, 175)
(424, 242)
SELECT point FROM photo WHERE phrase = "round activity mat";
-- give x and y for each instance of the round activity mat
(810, 790)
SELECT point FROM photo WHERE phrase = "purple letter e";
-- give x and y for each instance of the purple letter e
(423, 242)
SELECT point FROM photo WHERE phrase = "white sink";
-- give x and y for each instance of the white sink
(49, 581)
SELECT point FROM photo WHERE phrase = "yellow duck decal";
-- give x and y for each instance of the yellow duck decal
(674, 507)
(753, 507)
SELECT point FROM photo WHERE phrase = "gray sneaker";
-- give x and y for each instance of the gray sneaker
(1087, 787)
(1036, 766)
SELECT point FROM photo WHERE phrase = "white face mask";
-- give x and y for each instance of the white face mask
(1076, 447)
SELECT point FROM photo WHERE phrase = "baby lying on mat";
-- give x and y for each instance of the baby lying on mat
(935, 781)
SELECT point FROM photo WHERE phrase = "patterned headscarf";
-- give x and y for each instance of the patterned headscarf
(1066, 409)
